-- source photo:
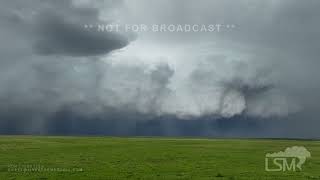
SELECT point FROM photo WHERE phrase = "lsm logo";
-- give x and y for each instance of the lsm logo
(289, 160)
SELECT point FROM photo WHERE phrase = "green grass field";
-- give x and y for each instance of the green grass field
(35, 157)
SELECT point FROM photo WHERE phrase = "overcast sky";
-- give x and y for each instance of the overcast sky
(259, 78)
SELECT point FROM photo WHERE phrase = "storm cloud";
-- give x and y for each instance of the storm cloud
(64, 38)
(258, 79)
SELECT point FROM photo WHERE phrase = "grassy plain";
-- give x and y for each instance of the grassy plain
(95, 158)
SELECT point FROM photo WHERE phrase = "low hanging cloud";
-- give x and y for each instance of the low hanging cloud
(56, 75)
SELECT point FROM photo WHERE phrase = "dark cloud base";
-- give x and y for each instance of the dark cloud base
(68, 123)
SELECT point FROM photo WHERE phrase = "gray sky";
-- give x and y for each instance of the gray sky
(259, 78)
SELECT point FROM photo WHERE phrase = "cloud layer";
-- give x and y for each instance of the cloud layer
(56, 76)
